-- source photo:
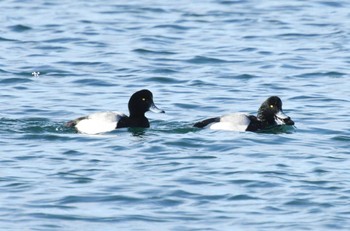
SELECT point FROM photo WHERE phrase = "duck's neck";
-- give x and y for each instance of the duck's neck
(133, 122)
(265, 119)
(136, 115)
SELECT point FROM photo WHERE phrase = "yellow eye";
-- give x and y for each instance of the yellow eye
(143, 99)
(271, 106)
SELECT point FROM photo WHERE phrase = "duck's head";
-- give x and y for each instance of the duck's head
(141, 102)
(271, 112)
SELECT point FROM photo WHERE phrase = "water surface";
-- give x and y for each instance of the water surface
(199, 60)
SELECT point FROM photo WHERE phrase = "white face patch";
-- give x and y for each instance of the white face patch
(279, 121)
(280, 117)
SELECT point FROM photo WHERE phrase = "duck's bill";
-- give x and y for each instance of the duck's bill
(283, 119)
(155, 109)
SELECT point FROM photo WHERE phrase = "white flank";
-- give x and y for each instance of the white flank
(232, 122)
(99, 122)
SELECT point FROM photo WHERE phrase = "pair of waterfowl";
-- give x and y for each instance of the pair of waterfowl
(270, 114)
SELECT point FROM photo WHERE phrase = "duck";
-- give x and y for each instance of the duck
(269, 114)
(100, 122)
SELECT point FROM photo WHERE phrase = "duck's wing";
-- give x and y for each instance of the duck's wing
(206, 122)
(72, 123)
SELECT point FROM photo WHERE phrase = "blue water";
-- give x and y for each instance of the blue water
(200, 59)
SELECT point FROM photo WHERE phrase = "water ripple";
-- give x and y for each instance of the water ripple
(204, 60)
(20, 28)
